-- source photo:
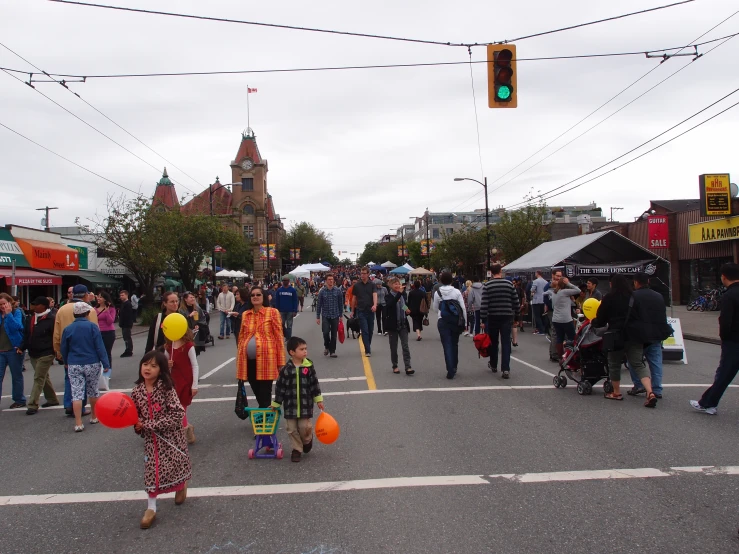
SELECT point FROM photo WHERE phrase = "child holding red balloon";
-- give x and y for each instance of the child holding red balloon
(167, 461)
(183, 363)
(297, 386)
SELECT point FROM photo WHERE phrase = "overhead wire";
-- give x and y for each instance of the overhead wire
(477, 121)
(360, 35)
(545, 195)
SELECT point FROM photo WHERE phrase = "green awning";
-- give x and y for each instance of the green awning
(10, 251)
(95, 278)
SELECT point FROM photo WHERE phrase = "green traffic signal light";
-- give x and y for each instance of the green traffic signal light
(502, 77)
(503, 93)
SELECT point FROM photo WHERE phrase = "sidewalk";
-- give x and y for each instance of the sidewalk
(698, 326)
(136, 330)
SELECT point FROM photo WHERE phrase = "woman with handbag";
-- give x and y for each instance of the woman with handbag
(418, 305)
(170, 305)
(615, 311)
(261, 347)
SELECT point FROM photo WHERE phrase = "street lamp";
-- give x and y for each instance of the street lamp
(402, 242)
(487, 216)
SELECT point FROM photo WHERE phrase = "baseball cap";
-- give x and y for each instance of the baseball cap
(81, 307)
(79, 290)
(40, 301)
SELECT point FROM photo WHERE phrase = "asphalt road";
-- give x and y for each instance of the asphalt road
(423, 464)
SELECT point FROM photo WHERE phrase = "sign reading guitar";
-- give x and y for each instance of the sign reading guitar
(658, 232)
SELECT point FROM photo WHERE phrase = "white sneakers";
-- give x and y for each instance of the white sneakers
(698, 408)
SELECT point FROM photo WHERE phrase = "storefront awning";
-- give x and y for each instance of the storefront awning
(10, 251)
(95, 278)
(49, 255)
(26, 277)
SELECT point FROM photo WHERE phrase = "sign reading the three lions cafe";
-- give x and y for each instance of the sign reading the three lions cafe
(715, 193)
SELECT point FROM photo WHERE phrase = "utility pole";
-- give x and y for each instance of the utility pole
(487, 216)
(46, 209)
(612, 210)
(210, 189)
(428, 243)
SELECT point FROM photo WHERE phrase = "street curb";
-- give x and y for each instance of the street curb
(701, 338)
(134, 332)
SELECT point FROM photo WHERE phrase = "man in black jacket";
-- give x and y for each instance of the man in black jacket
(126, 319)
(650, 324)
(728, 323)
(38, 340)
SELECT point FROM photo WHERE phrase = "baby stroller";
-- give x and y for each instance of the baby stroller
(584, 361)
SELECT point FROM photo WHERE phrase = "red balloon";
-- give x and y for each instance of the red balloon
(116, 410)
(327, 430)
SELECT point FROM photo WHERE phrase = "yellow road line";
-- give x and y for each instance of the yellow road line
(371, 385)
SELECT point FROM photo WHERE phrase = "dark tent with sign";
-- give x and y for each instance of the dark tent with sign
(595, 255)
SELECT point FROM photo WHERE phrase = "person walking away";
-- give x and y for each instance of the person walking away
(126, 319)
(287, 304)
(728, 327)
(39, 341)
(225, 304)
(616, 310)
(261, 347)
(300, 288)
(328, 313)
(652, 328)
(593, 292)
(65, 317)
(241, 304)
(396, 325)
(183, 365)
(106, 322)
(296, 390)
(364, 304)
(350, 295)
(452, 320)
(135, 301)
(86, 358)
(549, 315)
(170, 305)
(379, 314)
(561, 296)
(499, 308)
(419, 308)
(537, 302)
(11, 355)
(167, 465)
(475, 300)
(470, 311)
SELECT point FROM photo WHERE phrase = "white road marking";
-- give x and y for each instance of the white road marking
(212, 371)
(373, 484)
(527, 364)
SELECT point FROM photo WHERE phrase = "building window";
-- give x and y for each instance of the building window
(449, 230)
(248, 209)
(249, 231)
(247, 184)
(435, 233)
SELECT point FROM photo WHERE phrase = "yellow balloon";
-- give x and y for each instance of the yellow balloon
(590, 307)
(174, 326)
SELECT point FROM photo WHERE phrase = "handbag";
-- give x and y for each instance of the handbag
(614, 340)
(241, 401)
(425, 320)
(341, 332)
(424, 307)
(103, 380)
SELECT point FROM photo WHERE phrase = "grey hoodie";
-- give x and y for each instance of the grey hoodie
(474, 296)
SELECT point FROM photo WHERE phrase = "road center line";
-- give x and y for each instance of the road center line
(371, 385)
(373, 484)
(212, 371)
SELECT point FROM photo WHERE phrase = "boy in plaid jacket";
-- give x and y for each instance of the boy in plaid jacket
(298, 388)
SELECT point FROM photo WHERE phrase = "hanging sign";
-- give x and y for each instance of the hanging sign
(715, 194)
(402, 252)
(658, 230)
(295, 253)
(272, 251)
(262, 251)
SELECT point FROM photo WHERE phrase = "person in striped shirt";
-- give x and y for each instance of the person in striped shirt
(499, 306)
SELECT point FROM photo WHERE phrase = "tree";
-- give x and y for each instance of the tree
(346, 262)
(520, 231)
(133, 236)
(315, 245)
(380, 252)
(462, 251)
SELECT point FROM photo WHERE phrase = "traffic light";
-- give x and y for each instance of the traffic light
(502, 91)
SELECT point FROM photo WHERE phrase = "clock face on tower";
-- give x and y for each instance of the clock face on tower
(247, 164)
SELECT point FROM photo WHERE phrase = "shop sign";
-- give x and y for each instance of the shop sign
(113, 270)
(45, 255)
(25, 281)
(624, 269)
(658, 231)
(675, 341)
(715, 194)
(10, 251)
(82, 253)
(714, 230)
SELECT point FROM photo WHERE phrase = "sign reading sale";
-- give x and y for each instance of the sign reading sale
(658, 230)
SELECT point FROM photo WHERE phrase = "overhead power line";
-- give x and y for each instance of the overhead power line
(83, 77)
(549, 194)
(362, 35)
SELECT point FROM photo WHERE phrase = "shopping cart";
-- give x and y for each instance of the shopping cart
(264, 421)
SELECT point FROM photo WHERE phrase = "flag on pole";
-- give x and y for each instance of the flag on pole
(250, 90)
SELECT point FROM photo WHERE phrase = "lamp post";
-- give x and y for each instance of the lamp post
(612, 210)
(487, 217)
(402, 243)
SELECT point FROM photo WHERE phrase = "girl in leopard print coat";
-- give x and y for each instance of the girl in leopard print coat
(166, 462)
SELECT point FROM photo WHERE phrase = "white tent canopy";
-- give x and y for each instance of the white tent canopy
(300, 271)
(239, 274)
(389, 264)
(316, 268)
(225, 273)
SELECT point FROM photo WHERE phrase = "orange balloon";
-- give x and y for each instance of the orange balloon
(327, 430)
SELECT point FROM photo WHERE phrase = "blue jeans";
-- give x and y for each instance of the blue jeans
(68, 392)
(225, 324)
(449, 335)
(728, 367)
(367, 328)
(653, 354)
(287, 324)
(15, 361)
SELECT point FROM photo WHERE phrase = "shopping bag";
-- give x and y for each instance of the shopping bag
(241, 401)
(425, 320)
(103, 381)
(341, 332)
(483, 343)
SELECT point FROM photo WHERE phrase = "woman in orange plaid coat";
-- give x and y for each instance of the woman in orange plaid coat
(261, 347)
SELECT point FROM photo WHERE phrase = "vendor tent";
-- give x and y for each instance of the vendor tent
(300, 272)
(377, 268)
(315, 267)
(402, 270)
(420, 271)
(389, 264)
(224, 273)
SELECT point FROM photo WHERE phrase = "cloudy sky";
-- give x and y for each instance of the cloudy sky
(359, 152)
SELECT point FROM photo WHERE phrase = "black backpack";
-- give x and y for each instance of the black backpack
(451, 311)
